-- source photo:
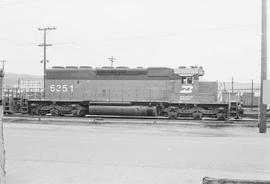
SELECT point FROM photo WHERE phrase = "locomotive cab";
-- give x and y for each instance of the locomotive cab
(189, 76)
(186, 88)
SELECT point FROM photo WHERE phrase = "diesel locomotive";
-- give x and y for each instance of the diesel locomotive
(153, 91)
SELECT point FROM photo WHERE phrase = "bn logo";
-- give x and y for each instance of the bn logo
(186, 89)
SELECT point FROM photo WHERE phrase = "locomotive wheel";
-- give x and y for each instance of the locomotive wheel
(172, 115)
(221, 116)
(34, 111)
(197, 115)
(55, 112)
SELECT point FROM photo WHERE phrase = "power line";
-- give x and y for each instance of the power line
(140, 37)
(18, 2)
(157, 36)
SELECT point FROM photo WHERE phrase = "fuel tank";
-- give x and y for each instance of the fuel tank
(123, 110)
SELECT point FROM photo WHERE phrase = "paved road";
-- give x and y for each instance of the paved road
(134, 153)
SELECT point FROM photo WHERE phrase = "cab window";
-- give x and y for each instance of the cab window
(184, 80)
(187, 80)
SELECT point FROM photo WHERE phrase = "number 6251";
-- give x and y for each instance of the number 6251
(61, 88)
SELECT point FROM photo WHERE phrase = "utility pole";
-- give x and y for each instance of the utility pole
(112, 60)
(3, 64)
(45, 45)
(252, 94)
(224, 86)
(262, 123)
(2, 145)
(232, 84)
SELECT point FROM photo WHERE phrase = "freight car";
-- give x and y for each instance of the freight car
(153, 91)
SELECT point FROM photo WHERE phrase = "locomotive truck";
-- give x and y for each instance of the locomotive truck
(153, 91)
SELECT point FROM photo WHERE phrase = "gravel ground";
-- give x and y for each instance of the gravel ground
(133, 153)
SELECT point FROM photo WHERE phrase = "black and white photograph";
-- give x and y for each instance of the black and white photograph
(134, 92)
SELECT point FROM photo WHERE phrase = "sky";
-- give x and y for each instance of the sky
(222, 36)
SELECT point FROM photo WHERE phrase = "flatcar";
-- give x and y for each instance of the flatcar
(153, 91)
